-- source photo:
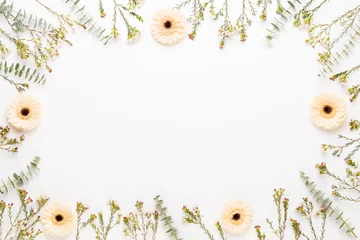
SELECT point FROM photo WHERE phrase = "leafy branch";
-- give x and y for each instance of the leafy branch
(278, 21)
(89, 23)
(20, 71)
(18, 179)
(326, 204)
(164, 217)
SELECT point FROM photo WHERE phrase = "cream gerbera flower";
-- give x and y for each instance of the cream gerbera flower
(237, 217)
(24, 112)
(327, 111)
(58, 220)
(168, 26)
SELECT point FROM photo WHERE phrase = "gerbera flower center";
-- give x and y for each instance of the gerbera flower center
(236, 216)
(59, 218)
(25, 112)
(167, 24)
(327, 109)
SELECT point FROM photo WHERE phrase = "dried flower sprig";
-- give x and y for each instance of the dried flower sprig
(351, 183)
(141, 222)
(23, 72)
(344, 75)
(337, 150)
(18, 179)
(226, 29)
(354, 124)
(164, 217)
(101, 9)
(101, 228)
(282, 205)
(197, 13)
(304, 17)
(263, 4)
(194, 216)
(244, 21)
(326, 203)
(343, 78)
(9, 144)
(133, 33)
(306, 210)
(260, 235)
(22, 223)
(80, 210)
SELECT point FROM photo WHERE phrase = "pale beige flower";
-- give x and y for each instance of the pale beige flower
(168, 26)
(23, 112)
(327, 111)
(237, 217)
(58, 220)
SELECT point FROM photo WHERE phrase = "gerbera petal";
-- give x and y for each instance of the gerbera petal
(171, 34)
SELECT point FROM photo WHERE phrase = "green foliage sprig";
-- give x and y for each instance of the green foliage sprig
(164, 217)
(20, 71)
(9, 144)
(23, 223)
(18, 179)
(326, 204)
(101, 228)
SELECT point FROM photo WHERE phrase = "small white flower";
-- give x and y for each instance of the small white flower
(24, 112)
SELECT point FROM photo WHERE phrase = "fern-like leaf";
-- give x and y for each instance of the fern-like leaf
(326, 203)
(164, 217)
(18, 179)
(84, 17)
(21, 71)
(278, 22)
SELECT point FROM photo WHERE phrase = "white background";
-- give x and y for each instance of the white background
(195, 124)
